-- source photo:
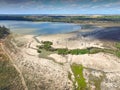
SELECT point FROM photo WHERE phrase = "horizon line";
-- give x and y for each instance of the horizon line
(57, 14)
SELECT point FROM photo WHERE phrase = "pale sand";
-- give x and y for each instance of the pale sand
(39, 70)
(42, 70)
(70, 41)
(99, 61)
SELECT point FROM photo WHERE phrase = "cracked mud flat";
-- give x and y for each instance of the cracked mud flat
(45, 74)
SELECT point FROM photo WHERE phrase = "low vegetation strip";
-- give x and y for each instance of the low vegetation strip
(79, 78)
(69, 19)
(46, 46)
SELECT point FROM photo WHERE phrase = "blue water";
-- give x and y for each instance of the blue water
(37, 28)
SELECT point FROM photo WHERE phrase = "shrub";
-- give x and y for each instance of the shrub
(95, 50)
(78, 51)
(39, 51)
(75, 51)
(4, 31)
(63, 51)
(47, 43)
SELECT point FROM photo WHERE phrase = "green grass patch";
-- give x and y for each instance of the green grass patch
(117, 45)
(94, 50)
(117, 54)
(78, 51)
(95, 80)
(9, 77)
(44, 53)
(62, 51)
(69, 76)
(79, 78)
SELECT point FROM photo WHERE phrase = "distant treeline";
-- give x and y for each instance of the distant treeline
(69, 19)
(14, 17)
(4, 31)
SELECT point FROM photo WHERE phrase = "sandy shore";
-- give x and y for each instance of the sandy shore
(54, 75)
(100, 61)
(70, 41)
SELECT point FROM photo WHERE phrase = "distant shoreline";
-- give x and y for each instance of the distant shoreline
(78, 19)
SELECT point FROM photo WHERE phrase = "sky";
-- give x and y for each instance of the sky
(60, 7)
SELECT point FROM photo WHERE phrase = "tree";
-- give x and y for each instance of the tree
(4, 31)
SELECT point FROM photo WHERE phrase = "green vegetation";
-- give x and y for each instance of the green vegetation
(79, 51)
(4, 31)
(9, 77)
(39, 51)
(95, 80)
(111, 51)
(65, 51)
(45, 49)
(118, 45)
(75, 19)
(117, 52)
(69, 76)
(48, 49)
(45, 54)
(46, 45)
(62, 51)
(69, 19)
(79, 78)
(94, 50)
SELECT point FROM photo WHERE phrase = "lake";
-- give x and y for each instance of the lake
(38, 28)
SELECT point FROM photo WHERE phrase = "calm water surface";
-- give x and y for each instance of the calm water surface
(37, 28)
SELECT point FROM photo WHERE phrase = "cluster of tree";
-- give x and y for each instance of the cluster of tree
(77, 19)
(4, 31)
(68, 19)
(45, 45)
(14, 17)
